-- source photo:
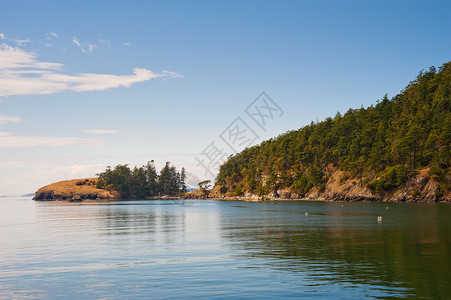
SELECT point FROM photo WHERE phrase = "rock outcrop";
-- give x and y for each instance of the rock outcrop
(74, 190)
(420, 187)
(197, 194)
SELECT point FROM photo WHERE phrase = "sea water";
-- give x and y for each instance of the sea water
(160, 249)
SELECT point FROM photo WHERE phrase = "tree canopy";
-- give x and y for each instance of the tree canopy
(389, 141)
(143, 181)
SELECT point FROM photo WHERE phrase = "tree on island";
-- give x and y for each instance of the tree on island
(144, 181)
(204, 185)
(183, 186)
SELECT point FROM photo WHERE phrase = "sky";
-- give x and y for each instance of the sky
(90, 84)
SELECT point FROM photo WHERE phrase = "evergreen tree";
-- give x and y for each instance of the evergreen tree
(152, 179)
(183, 187)
(143, 181)
(164, 180)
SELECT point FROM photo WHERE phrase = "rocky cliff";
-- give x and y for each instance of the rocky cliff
(74, 190)
(419, 187)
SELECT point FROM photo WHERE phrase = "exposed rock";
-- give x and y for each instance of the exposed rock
(215, 192)
(420, 187)
(288, 194)
(197, 194)
(273, 195)
(428, 193)
(252, 197)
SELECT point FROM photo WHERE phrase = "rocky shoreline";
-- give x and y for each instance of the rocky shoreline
(418, 188)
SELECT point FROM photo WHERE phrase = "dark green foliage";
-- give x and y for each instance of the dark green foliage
(393, 177)
(239, 189)
(183, 187)
(143, 181)
(390, 139)
(301, 185)
(204, 184)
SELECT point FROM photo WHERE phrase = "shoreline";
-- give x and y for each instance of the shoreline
(242, 199)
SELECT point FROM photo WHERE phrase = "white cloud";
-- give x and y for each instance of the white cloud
(100, 131)
(2, 36)
(91, 47)
(14, 58)
(21, 73)
(88, 48)
(50, 35)
(170, 74)
(99, 82)
(127, 44)
(9, 140)
(22, 42)
(78, 44)
(7, 119)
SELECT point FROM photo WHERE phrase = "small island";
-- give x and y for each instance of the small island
(120, 182)
(74, 190)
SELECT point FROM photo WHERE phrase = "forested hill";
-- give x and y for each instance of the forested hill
(397, 149)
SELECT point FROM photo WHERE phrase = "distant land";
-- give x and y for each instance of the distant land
(398, 150)
(120, 182)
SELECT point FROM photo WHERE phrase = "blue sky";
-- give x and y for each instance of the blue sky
(86, 84)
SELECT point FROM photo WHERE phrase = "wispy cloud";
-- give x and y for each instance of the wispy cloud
(21, 73)
(9, 140)
(101, 131)
(78, 44)
(91, 47)
(2, 36)
(49, 36)
(170, 74)
(127, 44)
(88, 48)
(22, 42)
(7, 119)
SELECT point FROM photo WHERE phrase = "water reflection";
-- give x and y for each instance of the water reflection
(160, 249)
(406, 254)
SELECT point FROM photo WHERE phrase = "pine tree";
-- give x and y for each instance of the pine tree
(152, 179)
(164, 180)
(183, 187)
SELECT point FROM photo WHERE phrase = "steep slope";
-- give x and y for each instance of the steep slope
(396, 150)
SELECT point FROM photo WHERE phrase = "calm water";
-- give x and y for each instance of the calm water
(213, 249)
